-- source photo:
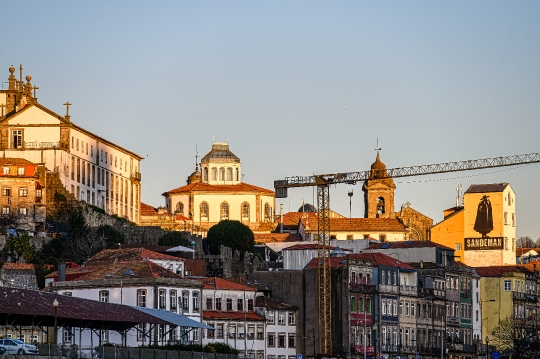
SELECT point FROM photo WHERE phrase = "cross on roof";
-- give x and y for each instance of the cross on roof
(67, 104)
(3, 106)
(378, 147)
(35, 88)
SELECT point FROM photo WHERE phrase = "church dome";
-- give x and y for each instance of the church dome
(378, 168)
(195, 177)
(307, 208)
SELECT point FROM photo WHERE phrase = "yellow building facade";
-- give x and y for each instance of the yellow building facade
(483, 231)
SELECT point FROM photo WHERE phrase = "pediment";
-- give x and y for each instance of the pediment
(35, 115)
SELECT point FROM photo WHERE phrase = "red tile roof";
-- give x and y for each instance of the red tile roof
(220, 283)
(498, 271)
(307, 246)
(345, 224)
(409, 244)
(205, 187)
(293, 218)
(267, 302)
(148, 210)
(15, 161)
(18, 266)
(143, 269)
(376, 259)
(232, 315)
(276, 237)
(71, 271)
(128, 254)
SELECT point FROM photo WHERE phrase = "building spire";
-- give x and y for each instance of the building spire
(378, 147)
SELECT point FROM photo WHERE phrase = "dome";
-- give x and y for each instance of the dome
(195, 177)
(378, 168)
(307, 208)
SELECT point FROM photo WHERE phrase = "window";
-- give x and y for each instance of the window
(222, 174)
(458, 246)
(195, 302)
(270, 317)
(260, 332)
(92, 151)
(210, 332)
(208, 303)
(17, 138)
(162, 304)
(513, 244)
(204, 210)
(141, 298)
(291, 341)
(229, 304)
(185, 301)
(23, 192)
(400, 308)
(229, 174)
(353, 304)
(5, 210)
(271, 340)
(224, 211)
(281, 318)
(214, 174)
(172, 300)
(67, 335)
(407, 313)
(104, 296)
(513, 219)
(245, 211)
(23, 211)
(250, 305)
(281, 340)
(292, 320)
(6, 192)
(383, 306)
(505, 218)
(5, 170)
(507, 285)
(20, 171)
(218, 303)
(240, 305)
(219, 331)
(179, 208)
(266, 212)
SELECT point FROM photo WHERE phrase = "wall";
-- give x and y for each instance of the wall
(450, 233)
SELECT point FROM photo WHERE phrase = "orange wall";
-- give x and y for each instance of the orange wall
(449, 232)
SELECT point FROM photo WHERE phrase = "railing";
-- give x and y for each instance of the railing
(136, 176)
(361, 349)
(387, 288)
(469, 348)
(407, 290)
(41, 144)
(114, 352)
(361, 288)
(430, 350)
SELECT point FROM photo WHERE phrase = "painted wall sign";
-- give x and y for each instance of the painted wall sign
(484, 217)
(475, 244)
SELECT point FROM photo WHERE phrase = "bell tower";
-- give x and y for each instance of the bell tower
(379, 192)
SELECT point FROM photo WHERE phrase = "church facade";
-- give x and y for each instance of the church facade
(90, 167)
(215, 192)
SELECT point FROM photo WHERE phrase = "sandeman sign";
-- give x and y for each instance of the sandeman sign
(475, 244)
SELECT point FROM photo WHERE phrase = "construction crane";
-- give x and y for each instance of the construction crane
(323, 182)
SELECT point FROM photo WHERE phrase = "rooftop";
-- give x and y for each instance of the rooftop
(205, 187)
(231, 315)
(491, 187)
(128, 254)
(220, 283)
(409, 244)
(267, 302)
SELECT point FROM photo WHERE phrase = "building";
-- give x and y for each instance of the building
(483, 231)
(416, 251)
(230, 308)
(23, 193)
(216, 192)
(90, 167)
(281, 321)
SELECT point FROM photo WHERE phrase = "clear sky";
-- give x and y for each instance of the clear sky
(298, 87)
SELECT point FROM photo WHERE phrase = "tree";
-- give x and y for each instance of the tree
(516, 337)
(525, 242)
(19, 248)
(110, 235)
(232, 234)
(174, 238)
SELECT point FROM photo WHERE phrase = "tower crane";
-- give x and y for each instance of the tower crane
(323, 182)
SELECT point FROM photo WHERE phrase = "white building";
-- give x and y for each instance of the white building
(476, 310)
(281, 321)
(296, 257)
(230, 308)
(90, 167)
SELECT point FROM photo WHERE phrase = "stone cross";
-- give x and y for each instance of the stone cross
(35, 88)
(3, 106)
(378, 148)
(67, 104)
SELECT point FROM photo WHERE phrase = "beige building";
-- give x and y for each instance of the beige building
(90, 167)
(216, 193)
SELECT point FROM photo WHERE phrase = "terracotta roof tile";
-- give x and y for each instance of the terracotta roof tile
(15, 161)
(376, 259)
(307, 246)
(148, 210)
(345, 224)
(276, 237)
(71, 271)
(18, 266)
(409, 244)
(128, 254)
(143, 269)
(220, 283)
(498, 271)
(232, 315)
(267, 302)
(205, 187)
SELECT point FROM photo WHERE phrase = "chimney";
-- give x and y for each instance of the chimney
(61, 272)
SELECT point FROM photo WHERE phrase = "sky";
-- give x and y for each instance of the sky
(297, 87)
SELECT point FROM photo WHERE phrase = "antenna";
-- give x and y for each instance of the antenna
(459, 198)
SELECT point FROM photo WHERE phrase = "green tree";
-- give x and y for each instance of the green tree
(20, 248)
(110, 235)
(233, 234)
(173, 239)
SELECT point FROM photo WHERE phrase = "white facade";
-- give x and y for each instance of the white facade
(476, 309)
(174, 297)
(90, 167)
(281, 338)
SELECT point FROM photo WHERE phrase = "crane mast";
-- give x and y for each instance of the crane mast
(323, 182)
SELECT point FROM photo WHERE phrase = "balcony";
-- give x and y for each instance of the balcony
(136, 176)
(387, 288)
(407, 290)
(361, 288)
(361, 319)
(40, 145)
(361, 349)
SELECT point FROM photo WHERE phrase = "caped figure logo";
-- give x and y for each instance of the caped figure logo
(484, 217)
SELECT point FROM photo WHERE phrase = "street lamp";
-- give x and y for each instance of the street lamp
(487, 346)
(482, 317)
(55, 305)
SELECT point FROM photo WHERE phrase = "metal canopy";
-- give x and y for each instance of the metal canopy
(24, 307)
(173, 318)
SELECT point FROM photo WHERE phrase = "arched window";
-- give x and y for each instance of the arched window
(266, 212)
(380, 205)
(205, 174)
(229, 174)
(204, 210)
(245, 211)
(214, 174)
(237, 172)
(222, 174)
(224, 210)
(179, 208)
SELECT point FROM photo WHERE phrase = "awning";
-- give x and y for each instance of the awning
(173, 318)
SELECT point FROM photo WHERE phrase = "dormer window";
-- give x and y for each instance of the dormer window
(5, 170)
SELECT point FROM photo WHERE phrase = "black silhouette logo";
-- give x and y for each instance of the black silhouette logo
(484, 217)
